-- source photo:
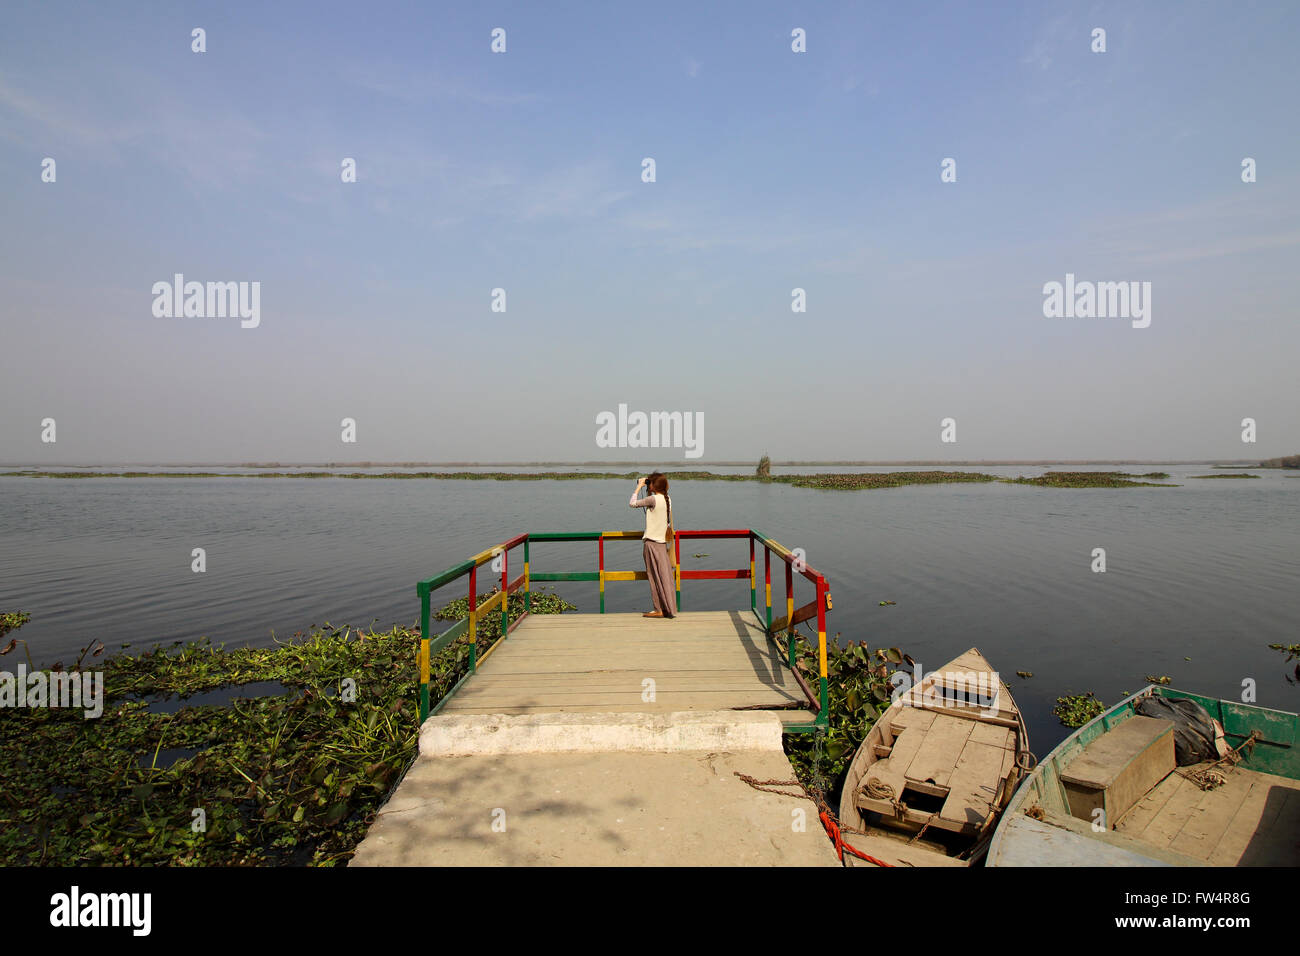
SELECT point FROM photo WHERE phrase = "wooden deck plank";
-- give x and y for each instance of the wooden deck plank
(892, 771)
(1165, 826)
(973, 784)
(1211, 817)
(943, 747)
(585, 663)
(911, 717)
(1139, 817)
(993, 735)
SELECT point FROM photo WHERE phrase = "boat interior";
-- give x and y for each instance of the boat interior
(1115, 795)
(938, 767)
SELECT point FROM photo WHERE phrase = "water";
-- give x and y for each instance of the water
(1208, 571)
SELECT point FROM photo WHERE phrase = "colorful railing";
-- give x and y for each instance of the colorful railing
(467, 627)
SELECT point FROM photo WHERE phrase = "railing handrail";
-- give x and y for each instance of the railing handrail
(468, 625)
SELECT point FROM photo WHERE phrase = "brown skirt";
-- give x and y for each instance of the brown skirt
(659, 567)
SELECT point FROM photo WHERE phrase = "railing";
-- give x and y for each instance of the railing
(467, 627)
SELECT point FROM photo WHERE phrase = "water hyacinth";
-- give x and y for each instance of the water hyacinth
(859, 692)
(292, 778)
(1077, 709)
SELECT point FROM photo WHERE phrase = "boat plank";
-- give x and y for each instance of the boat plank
(1212, 816)
(901, 717)
(1243, 826)
(1139, 817)
(973, 784)
(892, 771)
(944, 742)
(993, 735)
(1164, 827)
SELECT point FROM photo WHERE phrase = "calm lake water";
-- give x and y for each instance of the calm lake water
(1208, 571)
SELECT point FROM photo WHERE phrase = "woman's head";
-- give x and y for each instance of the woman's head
(657, 483)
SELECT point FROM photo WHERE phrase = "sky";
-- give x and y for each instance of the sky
(522, 170)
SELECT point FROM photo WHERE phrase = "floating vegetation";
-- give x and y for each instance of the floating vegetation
(1077, 709)
(12, 620)
(1163, 680)
(853, 481)
(1292, 652)
(831, 481)
(1287, 461)
(859, 692)
(888, 603)
(1091, 479)
(764, 469)
(1025, 674)
(1224, 476)
(293, 778)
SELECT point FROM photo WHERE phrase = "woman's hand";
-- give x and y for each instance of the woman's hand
(640, 482)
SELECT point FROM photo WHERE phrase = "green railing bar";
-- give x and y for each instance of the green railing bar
(801, 728)
(446, 637)
(446, 577)
(567, 576)
(565, 535)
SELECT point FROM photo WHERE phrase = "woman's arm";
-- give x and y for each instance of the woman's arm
(647, 502)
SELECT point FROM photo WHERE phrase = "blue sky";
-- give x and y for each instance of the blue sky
(522, 171)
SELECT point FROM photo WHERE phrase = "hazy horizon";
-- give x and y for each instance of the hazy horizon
(700, 463)
(775, 171)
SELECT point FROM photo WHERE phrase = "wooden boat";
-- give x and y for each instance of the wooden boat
(928, 784)
(1153, 813)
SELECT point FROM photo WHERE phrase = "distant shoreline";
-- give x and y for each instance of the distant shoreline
(1222, 462)
(837, 481)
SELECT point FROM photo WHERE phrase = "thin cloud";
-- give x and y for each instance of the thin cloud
(417, 86)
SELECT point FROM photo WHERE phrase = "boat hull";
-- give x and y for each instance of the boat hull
(1252, 817)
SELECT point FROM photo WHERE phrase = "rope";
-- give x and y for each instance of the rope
(829, 823)
(1216, 774)
(884, 791)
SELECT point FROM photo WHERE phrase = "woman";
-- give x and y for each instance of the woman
(658, 562)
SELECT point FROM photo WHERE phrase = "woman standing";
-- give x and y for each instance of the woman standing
(658, 561)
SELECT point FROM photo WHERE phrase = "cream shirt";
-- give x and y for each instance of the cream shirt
(656, 515)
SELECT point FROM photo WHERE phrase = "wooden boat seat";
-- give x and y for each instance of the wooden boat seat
(961, 762)
(1117, 769)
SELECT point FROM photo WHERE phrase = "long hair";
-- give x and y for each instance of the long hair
(657, 482)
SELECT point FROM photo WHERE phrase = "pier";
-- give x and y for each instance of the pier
(611, 738)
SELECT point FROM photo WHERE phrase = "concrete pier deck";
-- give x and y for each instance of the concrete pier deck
(608, 740)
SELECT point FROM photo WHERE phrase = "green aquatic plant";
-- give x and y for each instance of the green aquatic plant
(293, 777)
(830, 481)
(12, 620)
(1091, 479)
(1077, 709)
(853, 481)
(859, 691)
